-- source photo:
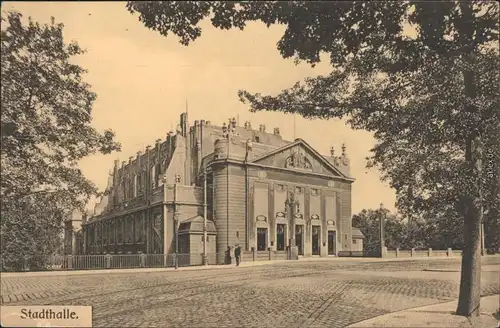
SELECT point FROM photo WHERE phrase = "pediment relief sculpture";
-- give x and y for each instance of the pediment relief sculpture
(314, 217)
(280, 215)
(298, 160)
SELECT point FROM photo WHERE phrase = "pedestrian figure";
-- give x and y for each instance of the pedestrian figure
(237, 254)
(228, 255)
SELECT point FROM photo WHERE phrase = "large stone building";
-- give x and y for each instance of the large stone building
(262, 192)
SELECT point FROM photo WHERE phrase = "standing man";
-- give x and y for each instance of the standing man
(237, 254)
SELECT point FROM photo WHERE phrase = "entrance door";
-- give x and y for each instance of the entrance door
(331, 242)
(299, 233)
(280, 237)
(261, 239)
(315, 240)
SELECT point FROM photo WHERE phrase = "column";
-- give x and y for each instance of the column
(272, 218)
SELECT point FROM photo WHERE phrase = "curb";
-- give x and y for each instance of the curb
(419, 316)
(484, 268)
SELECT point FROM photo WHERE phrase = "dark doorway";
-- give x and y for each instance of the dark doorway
(331, 242)
(280, 237)
(261, 239)
(315, 240)
(299, 233)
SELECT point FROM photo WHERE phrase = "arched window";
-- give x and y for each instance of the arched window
(157, 175)
(153, 176)
(125, 189)
(134, 186)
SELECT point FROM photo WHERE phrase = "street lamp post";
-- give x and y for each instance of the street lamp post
(382, 230)
(176, 221)
(205, 262)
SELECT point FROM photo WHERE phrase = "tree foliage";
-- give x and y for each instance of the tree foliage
(429, 97)
(368, 222)
(46, 129)
(406, 233)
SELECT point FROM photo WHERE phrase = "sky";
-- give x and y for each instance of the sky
(143, 81)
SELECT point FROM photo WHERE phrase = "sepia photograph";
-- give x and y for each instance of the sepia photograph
(288, 164)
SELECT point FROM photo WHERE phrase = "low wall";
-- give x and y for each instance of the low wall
(402, 253)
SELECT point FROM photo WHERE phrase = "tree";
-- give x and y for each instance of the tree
(368, 222)
(431, 99)
(46, 129)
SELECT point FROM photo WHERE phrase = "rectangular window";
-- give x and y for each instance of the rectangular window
(129, 229)
(280, 237)
(119, 230)
(112, 232)
(298, 190)
(261, 239)
(105, 232)
(139, 229)
(314, 192)
(354, 241)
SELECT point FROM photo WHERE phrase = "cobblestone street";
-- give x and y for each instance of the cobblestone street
(293, 294)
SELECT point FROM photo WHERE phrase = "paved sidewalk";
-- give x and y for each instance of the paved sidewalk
(438, 315)
(244, 263)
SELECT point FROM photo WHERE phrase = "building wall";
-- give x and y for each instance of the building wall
(345, 219)
(234, 201)
(357, 245)
(196, 244)
(186, 211)
(266, 199)
(229, 198)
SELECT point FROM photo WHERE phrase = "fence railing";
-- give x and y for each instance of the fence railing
(129, 261)
(112, 261)
(421, 253)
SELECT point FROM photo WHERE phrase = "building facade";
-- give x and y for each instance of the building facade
(255, 189)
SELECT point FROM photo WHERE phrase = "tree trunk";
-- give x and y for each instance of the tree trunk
(470, 280)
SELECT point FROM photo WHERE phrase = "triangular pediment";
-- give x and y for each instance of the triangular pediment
(298, 156)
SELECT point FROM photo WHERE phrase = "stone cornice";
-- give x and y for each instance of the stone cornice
(282, 169)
